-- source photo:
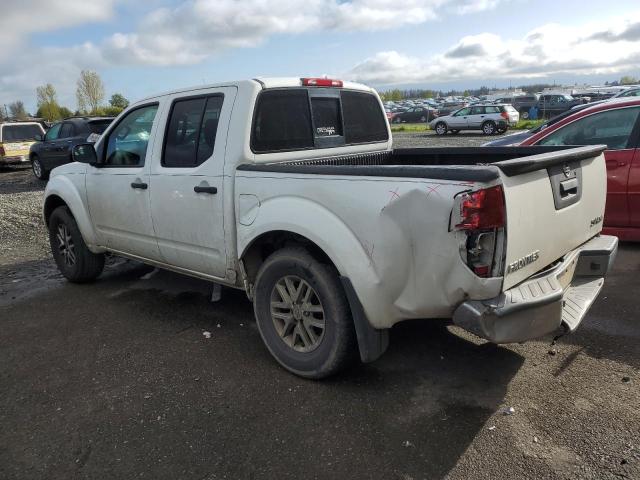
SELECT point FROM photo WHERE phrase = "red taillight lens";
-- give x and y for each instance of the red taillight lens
(483, 209)
(321, 82)
(505, 115)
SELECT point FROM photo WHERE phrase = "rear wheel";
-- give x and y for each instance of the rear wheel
(524, 115)
(75, 261)
(441, 128)
(39, 171)
(489, 128)
(303, 315)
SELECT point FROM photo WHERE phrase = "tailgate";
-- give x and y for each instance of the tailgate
(554, 203)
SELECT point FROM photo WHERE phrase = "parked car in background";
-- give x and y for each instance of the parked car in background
(415, 114)
(489, 118)
(516, 138)
(15, 140)
(614, 123)
(631, 92)
(551, 104)
(54, 149)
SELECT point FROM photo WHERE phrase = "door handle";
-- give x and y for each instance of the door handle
(140, 185)
(211, 190)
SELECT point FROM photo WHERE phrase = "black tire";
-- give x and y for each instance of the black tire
(441, 128)
(86, 266)
(337, 345)
(524, 115)
(489, 128)
(38, 169)
(454, 132)
(397, 120)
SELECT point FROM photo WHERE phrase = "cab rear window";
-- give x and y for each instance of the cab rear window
(99, 126)
(300, 119)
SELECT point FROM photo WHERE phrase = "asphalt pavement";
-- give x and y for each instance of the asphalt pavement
(117, 379)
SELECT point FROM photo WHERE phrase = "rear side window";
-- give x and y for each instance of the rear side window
(191, 131)
(66, 131)
(282, 121)
(363, 120)
(297, 119)
(491, 109)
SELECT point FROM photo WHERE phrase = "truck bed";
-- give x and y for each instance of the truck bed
(472, 164)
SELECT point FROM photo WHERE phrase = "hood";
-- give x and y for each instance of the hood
(72, 168)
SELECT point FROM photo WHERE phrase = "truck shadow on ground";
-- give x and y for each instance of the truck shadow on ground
(126, 357)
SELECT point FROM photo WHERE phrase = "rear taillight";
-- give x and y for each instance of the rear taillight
(2, 150)
(482, 217)
(482, 209)
(505, 115)
(321, 82)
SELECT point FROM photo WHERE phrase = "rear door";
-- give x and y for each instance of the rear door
(476, 117)
(550, 210)
(614, 128)
(187, 182)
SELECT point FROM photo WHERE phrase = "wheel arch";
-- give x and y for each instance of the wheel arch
(372, 343)
(62, 192)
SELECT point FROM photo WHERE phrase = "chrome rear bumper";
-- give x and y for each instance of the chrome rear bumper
(560, 296)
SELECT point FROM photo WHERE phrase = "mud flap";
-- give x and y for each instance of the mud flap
(372, 342)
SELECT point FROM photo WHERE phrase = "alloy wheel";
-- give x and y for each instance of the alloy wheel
(297, 314)
(65, 245)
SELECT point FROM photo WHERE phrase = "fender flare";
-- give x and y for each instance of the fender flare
(60, 186)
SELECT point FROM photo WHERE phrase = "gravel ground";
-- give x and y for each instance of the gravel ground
(116, 380)
(22, 233)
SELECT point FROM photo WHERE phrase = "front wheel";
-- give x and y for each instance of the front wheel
(303, 315)
(39, 171)
(75, 261)
(441, 128)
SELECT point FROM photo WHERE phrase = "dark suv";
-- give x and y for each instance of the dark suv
(55, 148)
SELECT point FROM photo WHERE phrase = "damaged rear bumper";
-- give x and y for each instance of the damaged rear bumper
(560, 296)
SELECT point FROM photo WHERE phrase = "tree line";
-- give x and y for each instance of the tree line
(90, 96)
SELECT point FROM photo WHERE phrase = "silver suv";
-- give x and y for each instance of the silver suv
(489, 118)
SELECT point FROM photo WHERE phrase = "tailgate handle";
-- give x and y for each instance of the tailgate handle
(569, 187)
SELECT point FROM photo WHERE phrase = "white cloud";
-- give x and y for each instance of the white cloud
(20, 18)
(605, 47)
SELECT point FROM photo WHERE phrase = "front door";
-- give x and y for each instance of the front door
(47, 151)
(118, 191)
(187, 182)
(476, 117)
(459, 120)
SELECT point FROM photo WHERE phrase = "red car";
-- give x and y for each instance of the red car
(615, 123)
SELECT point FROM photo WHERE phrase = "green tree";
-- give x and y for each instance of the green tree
(119, 101)
(65, 112)
(89, 91)
(48, 107)
(628, 80)
(18, 111)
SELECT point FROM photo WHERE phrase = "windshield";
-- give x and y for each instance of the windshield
(16, 133)
(568, 98)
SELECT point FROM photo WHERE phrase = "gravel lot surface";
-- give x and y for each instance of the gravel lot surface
(115, 380)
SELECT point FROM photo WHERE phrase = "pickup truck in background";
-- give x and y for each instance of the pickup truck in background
(290, 189)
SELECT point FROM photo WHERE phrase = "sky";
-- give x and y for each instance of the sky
(142, 48)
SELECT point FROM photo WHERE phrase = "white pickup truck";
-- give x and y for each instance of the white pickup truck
(290, 190)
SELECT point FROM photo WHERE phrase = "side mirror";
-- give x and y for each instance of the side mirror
(85, 153)
(39, 138)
